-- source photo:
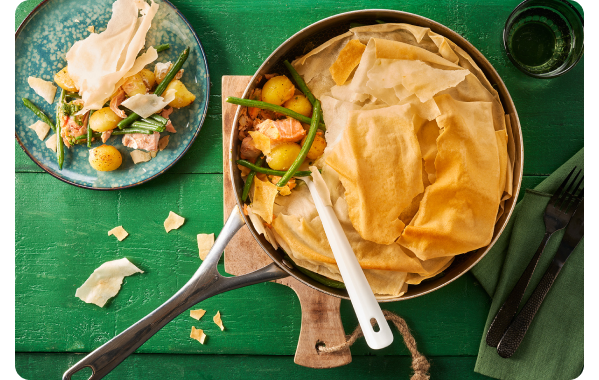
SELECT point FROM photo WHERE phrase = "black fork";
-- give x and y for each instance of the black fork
(560, 208)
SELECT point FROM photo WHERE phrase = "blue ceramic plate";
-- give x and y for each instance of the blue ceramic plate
(42, 42)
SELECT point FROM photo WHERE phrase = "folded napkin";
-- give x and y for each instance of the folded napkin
(553, 345)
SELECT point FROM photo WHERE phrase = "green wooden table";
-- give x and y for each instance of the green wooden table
(61, 230)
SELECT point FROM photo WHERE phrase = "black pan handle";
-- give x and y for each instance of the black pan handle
(510, 307)
(205, 283)
(515, 333)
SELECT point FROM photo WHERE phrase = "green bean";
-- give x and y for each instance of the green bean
(268, 171)
(89, 137)
(39, 113)
(161, 87)
(172, 72)
(128, 120)
(302, 85)
(148, 126)
(250, 179)
(126, 131)
(149, 120)
(355, 25)
(160, 119)
(89, 130)
(163, 47)
(380, 22)
(271, 107)
(305, 148)
(59, 142)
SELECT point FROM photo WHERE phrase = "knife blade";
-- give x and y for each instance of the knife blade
(515, 333)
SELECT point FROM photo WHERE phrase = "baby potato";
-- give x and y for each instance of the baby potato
(105, 158)
(148, 78)
(278, 90)
(104, 120)
(299, 104)
(63, 79)
(282, 156)
(317, 148)
(134, 85)
(183, 97)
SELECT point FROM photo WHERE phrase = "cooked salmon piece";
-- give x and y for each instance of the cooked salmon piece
(286, 130)
(169, 126)
(116, 101)
(248, 150)
(106, 135)
(142, 141)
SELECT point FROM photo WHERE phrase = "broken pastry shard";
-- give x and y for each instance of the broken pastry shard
(197, 334)
(218, 321)
(106, 281)
(41, 129)
(205, 243)
(197, 314)
(348, 59)
(43, 88)
(173, 222)
(119, 232)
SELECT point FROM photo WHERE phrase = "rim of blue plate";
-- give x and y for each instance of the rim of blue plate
(201, 122)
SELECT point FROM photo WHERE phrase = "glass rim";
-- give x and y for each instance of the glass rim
(555, 73)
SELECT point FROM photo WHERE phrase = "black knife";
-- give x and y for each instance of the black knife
(515, 333)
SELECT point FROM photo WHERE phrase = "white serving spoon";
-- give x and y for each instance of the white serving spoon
(360, 294)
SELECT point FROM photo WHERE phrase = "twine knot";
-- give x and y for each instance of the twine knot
(420, 365)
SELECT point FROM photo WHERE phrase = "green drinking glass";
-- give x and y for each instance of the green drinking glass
(544, 38)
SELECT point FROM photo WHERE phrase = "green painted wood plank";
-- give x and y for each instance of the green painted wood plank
(145, 366)
(551, 111)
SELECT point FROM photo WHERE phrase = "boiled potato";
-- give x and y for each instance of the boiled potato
(63, 79)
(134, 86)
(317, 148)
(278, 90)
(104, 120)
(149, 78)
(183, 97)
(105, 158)
(299, 104)
(282, 156)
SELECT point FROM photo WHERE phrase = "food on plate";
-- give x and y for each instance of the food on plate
(108, 89)
(103, 120)
(119, 232)
(173, 222)
(218, 321)
(205, 243)
(197, 314)
(43, 88)
(41, 129)
(140, 156)
(413, 155)
(197, 334)
(106, 281)
(51, 143)
(105, 158)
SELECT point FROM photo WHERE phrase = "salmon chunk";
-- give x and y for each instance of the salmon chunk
(142, 141)
(286, 130)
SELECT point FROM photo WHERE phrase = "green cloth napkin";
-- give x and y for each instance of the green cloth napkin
(553, 345)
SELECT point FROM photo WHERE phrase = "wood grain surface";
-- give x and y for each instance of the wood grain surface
(61, 230)
(321, 322)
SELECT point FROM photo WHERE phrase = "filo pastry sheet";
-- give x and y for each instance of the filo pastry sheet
(419, 157)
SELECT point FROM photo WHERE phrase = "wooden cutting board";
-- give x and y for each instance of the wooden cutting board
(321, 322)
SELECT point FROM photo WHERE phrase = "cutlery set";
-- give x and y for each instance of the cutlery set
(564, 210)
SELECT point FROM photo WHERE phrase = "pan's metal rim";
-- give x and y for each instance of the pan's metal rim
(487, 68)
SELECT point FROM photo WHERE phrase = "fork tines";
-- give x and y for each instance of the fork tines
(570, 198)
